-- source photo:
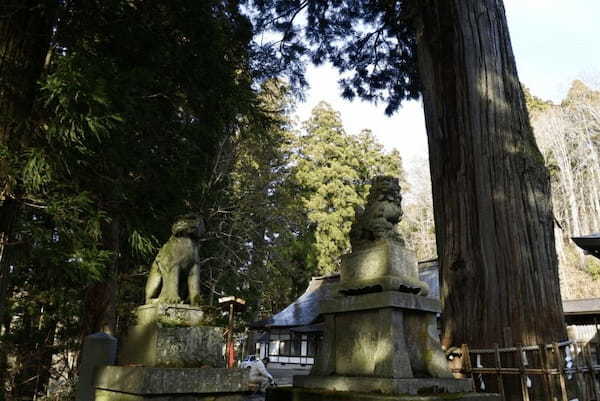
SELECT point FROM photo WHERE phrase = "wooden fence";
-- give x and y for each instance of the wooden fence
(549, 372)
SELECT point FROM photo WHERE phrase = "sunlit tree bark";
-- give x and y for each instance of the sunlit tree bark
(491, 191)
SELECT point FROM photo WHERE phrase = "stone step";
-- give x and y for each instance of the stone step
(303, 394)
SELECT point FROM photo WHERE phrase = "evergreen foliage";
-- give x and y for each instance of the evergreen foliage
(255, 213)
(333, 171)
(124, 146)
(292, 194)
(129, 114)
(372, 43)
(133, 115)
(535, 104)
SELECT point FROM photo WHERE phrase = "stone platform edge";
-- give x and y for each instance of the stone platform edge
(378, 300)
(412, 386)
(305, 394)
(154, 381)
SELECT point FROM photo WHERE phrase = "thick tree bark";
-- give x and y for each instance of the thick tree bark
(491, 191)
(99, 308)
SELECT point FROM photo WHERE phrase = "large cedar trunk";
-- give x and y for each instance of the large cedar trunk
(491, 191)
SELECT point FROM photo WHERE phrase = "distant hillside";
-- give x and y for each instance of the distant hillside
(568, 135)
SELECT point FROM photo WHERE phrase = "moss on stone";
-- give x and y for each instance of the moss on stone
(169, 322)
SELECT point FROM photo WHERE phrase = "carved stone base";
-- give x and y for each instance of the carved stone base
(169, 336)
(118, 383)
(172, 315)
(173, 347)
(381, 335)
(383, 265)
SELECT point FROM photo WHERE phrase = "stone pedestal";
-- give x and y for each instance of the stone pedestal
(382, 265)
(382, 342)
(119, 383)
(169, 356)
(380, 338)
(384, 335)
(170, 336)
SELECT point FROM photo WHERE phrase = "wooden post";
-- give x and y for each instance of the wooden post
(590, 365)
(581, 385)
(229, 347)
(548, 388)
(522, 375)
(231, 304)
(499, 374)
(560, 362)
(466, 363)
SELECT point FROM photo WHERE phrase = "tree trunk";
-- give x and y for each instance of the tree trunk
(565, 165)
(491, 191)
(8, 214)
(99, 308)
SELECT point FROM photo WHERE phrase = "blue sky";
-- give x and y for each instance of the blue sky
(554, 41)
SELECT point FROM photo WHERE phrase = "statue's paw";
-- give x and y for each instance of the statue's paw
(196, 301)
(170, 300)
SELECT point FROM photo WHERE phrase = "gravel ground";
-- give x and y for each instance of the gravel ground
(283, 377)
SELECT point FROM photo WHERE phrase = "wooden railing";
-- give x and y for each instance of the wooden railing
(557, 371)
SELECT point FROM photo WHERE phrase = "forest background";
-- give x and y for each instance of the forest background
(132, 124)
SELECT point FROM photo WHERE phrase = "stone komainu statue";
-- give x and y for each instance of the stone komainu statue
(177, 259)
(381, 214)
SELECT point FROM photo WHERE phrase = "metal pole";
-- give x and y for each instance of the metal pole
(230, 360)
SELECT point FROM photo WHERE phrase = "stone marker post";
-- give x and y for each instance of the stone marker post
(98, 349)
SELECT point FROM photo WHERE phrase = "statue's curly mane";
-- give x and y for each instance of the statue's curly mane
(190, 225)
(382, 212)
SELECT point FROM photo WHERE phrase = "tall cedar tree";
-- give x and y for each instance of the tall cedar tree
(491, 191)
(333, 171)
(172, 80)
